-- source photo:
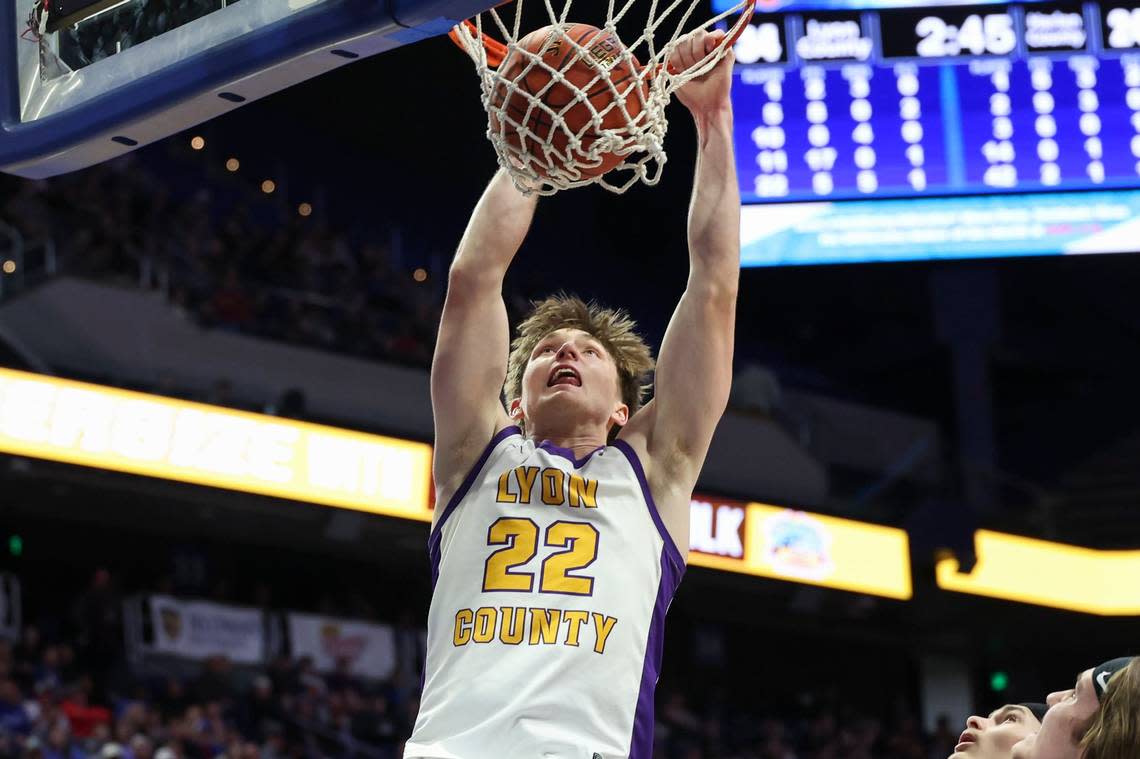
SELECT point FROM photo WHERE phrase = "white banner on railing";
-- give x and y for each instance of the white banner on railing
(369, 647)
(200, 629)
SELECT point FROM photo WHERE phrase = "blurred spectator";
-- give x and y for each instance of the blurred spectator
(60, 745)
(261, 714)
(48, 677)
(943, 740)
(25, 655)
(100, 625)
(14, 718)
(216, 681)
(341, 678)
(375, 725)
(81, 715)
(172, 700)
(231, 305)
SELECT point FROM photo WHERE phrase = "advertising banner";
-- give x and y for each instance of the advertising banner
(369, 648)
(201, 629)
(785, 544)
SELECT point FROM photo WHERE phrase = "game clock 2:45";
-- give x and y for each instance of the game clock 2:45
(948, 32)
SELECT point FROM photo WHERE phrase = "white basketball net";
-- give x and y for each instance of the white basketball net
(534, 161)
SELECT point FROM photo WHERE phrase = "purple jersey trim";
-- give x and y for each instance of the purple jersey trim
(568, 454)
(641, 743)
(670, 546)
(437, 533)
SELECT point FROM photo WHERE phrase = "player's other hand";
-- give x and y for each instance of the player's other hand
(708, 92)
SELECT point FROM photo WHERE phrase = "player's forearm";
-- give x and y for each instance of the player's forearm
(496, 230)
(714, 215)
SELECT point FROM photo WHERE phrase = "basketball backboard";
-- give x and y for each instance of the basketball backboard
(83, 81)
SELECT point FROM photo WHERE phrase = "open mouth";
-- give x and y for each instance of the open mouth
(965, 740)
(564, 375)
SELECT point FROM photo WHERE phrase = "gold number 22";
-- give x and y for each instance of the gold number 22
(519, 538)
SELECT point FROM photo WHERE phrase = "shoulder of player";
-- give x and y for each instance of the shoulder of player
(666, 469)
(665, 464)
(670, 486)
(453, 466)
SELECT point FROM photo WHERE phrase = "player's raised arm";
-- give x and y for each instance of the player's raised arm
(694, 367)
(470, 360)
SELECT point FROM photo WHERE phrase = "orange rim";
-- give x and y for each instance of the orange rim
(497, 51)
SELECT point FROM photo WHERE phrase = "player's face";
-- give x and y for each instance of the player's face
(1059, 737)
(994, 737)
(571, 375)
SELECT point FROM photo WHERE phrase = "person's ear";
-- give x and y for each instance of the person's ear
(620, 415)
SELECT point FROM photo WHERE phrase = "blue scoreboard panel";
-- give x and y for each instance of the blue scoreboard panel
(969, 107)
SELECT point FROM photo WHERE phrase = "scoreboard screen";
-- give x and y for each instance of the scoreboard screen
(975, 108)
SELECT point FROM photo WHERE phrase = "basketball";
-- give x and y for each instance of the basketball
(585, 83)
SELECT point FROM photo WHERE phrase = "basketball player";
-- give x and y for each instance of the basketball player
(994, 737)
(1066, 731)
(563, 525)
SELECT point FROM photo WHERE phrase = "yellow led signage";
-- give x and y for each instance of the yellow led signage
(783, 544)
(91, 425)
(1014, 568)
(78, 423)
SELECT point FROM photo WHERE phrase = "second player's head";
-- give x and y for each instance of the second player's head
(994, 737)
(574, 363)
(1098, 718)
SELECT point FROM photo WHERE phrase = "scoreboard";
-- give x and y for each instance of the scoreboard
(938, 99)
(843, 100)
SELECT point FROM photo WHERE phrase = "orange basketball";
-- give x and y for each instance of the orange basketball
(586, 73)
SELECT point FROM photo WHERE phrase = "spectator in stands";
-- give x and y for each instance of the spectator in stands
(943, 740)
(25, 655)
(14, 717)
(907, 742)
(33, 748)
(376, 725)
(172, 700)
(231, 306)
(84, 717)
(140, 747)
(48, 677)
(98, 615)
(773, 743)
(310, 682)
(60, 745)
(216, 681)
(341, 678)
(680, 725)
(260, 713)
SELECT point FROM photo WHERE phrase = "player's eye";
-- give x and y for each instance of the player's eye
(1011, 717)
(591, 351)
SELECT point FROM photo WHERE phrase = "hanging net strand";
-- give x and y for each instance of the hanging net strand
(570, 105)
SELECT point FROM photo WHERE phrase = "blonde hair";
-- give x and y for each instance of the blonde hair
(1115, 729)
(613, 328)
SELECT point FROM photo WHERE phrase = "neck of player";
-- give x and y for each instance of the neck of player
(581, 440)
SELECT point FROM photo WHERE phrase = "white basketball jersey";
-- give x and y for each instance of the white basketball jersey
(552, 578)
